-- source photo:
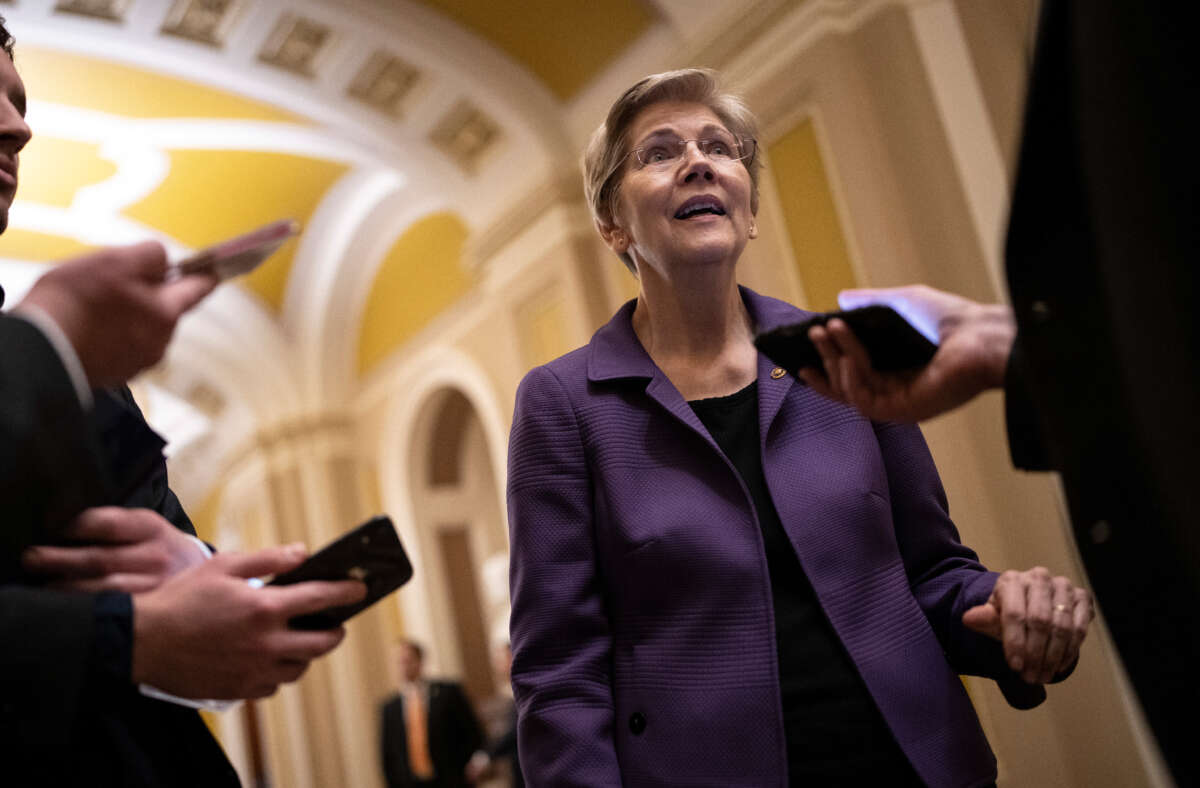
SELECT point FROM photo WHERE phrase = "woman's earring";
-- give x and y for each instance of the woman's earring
(753, 230)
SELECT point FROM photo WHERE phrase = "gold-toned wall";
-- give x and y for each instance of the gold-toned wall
(863, 186)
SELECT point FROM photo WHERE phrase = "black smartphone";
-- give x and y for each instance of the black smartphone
(891, 342)
(371, 553)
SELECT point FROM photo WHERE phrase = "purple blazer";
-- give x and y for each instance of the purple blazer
(642, 622)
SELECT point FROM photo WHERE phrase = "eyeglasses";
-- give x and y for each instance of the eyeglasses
(667, 151)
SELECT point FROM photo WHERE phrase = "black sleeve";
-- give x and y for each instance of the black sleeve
(391, 742)
(134, 451)
(505, 745)
(1026, 444)
(55, 643)
(50, 463)
(469, 730)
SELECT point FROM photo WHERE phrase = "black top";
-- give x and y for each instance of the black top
(834, 732)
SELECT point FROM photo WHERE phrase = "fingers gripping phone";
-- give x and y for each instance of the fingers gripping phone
(891, 341)
(371, 553)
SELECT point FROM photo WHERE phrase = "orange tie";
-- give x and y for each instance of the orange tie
(416, 725)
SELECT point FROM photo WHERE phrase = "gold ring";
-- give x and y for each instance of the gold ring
(1060, 608)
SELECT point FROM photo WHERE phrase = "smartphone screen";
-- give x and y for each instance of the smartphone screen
(891, 342)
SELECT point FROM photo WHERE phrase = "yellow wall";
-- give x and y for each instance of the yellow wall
(211, 195)
(421, 276)
(563, 44)
(206, 196)
(818, 244)
(73, 80)
(35, 247)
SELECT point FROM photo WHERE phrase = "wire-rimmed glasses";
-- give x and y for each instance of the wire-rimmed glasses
(665, 151)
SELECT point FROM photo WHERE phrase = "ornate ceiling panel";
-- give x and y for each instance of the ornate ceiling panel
(59, 76)
(565, 44)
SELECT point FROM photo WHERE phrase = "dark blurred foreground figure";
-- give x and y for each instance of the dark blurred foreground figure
(96, 599)
(1103, 378)
(428, 730)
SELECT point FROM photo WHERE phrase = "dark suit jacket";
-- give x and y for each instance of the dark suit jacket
(1105, 378)
(454, 734)
(505, 746)
(68, 717)
(642, 620)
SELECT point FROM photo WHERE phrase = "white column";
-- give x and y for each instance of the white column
(973, 145)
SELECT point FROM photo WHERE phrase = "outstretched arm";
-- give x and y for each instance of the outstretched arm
(974, 343)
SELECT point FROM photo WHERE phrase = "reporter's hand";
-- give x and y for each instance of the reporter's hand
(1041, 620)
(132, 550)
(478, 768)
(206, 633)
(975, 341)
(116, 309)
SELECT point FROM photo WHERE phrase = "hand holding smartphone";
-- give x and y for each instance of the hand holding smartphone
(239, 255)
(891, 342)
(370, 553)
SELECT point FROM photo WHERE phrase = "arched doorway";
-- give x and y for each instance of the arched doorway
(457, 517)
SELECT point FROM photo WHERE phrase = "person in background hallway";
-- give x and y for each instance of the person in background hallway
(125, 596)
(720, 577)
(1099, 358)
(429, 731)
(502, 739)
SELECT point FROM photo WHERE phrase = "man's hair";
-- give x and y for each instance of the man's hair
(6, 39)
(609, 145)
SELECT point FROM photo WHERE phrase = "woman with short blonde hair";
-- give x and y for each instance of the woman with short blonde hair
(720, 577)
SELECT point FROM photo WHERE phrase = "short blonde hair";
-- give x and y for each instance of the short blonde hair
(609, 144)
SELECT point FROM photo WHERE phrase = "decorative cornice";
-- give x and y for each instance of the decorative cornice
(563, 189)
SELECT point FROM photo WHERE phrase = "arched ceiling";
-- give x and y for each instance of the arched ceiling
(564, 50)
(371, 121)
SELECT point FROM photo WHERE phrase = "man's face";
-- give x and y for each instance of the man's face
(410, 664)
(14, 133)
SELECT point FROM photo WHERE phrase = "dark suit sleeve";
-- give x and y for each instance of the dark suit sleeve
(135, 452)
(946, 576)
(55, 643)
(505, 745)
(1025, 442)
(50, 464)
(392, 750)
(470, 734)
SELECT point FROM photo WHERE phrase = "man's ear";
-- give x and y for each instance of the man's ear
(614, 237)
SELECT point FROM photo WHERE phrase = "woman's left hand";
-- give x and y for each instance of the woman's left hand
(1040, 619)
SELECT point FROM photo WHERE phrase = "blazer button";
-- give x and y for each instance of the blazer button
(1040, 311)
(637, 723)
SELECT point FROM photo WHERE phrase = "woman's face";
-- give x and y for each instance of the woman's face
(683, 212)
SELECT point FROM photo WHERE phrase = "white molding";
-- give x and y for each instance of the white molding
(321, 307)
(767, 58)
(962, 109)
(435, 369)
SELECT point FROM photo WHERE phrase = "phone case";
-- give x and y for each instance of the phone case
(239, 255)
(371, 553)
(891, 342)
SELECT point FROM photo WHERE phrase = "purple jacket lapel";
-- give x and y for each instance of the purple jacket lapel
(616, 353)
